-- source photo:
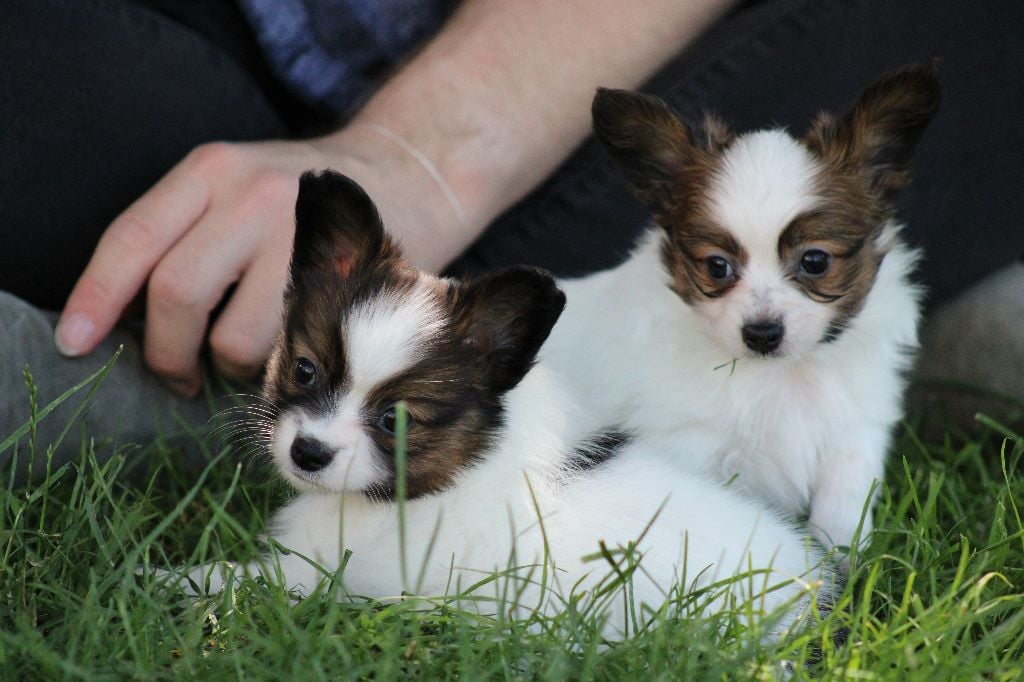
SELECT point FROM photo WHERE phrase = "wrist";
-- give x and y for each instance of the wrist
(417, 205)
(435, 105)
(425, 163)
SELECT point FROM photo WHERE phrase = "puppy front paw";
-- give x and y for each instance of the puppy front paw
(841, 532)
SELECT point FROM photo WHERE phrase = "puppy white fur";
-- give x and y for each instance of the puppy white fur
(762, 327)
(503, 470)
(487, 521)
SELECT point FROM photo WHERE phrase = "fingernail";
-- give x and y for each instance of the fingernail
(183, 387)
(73, 333)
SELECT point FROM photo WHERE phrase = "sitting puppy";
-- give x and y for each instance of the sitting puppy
(499, 472)
(764, 324)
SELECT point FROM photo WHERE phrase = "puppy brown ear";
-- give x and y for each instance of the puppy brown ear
(878, 137)
(646, 137)
(337, 226)
(507, 316)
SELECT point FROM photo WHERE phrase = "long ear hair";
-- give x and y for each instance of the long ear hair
(507, 316)
(878, 136)
(665, 161)
(647, 138)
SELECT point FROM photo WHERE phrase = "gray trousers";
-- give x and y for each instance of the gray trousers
(129, 406)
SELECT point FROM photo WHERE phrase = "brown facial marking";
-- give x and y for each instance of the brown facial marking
(453, 413)
(670, 170)
(452, 419)
(866, 159)
(493, 329)
(496, 326)
(848, 233)
(691, 242)
(315, 308)
(693, 235)
(454, 393)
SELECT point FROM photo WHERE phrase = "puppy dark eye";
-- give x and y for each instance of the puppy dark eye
(305, 372)
(814, 262)
(388, 421)
(719, 268)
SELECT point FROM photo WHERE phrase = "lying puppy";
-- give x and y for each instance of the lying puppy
(499, 472)
(764, 324)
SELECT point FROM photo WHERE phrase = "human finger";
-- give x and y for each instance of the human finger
(245, 331)
(185, 287)
(129, 250)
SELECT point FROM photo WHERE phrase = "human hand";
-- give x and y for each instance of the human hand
(224, 216)
(478, 114)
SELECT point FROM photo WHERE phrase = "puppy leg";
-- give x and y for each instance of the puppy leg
(840, 497)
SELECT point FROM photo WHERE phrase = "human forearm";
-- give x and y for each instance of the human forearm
(503, 94)
(489, 107)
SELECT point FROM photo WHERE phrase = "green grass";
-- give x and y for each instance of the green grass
(937, 595)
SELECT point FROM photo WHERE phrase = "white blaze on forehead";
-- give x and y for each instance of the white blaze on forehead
(389, 333)
(383, 336)
(766, 179)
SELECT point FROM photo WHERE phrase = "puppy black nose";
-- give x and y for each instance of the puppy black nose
(309, 454)
(763, 337)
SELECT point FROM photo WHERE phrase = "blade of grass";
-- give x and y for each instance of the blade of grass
(95, 379)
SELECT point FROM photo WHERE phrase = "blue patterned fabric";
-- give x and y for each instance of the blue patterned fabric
(330, 52)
